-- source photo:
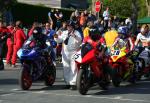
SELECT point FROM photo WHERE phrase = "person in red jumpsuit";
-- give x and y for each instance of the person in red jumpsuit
(19, 38)
(4, 34)
(10, 44)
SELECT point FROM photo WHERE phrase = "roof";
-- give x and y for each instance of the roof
(145, 20)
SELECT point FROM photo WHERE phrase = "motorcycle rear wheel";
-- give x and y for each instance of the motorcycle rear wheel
(25, 79)
(82, 84)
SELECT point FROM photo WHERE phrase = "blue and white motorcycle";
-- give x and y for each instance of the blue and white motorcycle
(36, 64)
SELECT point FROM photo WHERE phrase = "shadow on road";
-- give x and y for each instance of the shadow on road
(142, 87)
(8, 81)
(54, 87)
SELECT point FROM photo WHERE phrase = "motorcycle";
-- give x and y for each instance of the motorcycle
(122, 67)
(142, 63)
(90, 69)
(36, 64)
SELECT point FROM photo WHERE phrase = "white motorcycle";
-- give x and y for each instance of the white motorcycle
(143, 63)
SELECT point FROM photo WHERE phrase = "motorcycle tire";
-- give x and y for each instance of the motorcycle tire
(140, 72)
(82, 84)
(116, 79)
(50, 76)
(25, 79)
(104, 84)
(1, 65)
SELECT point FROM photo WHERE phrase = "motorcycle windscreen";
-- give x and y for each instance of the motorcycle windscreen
(27, 53)
(19, 53)
(89, 57)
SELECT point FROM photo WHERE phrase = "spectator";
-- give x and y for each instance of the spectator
(35, 24)
(86, 30)
(82, 20)
(59, 17)
(115, 22)
(50, 20)
(4, 33)
(10, 44)
(59, 45)
(106, 16)
(91, 17)
(19, 38)
(73, 17)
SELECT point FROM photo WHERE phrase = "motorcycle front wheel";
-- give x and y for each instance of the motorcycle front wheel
(116, 79)
(83, 81)
(50, 76)
(25, 79)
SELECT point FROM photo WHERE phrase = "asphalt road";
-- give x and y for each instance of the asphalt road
(10, 91)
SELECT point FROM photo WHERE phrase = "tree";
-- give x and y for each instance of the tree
(148, 6)
(122, 8)
(134, 15)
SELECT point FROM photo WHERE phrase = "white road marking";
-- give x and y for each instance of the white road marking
(91, 96)
(8, 94)
(118, 97)
(40, 92)
(14, 89)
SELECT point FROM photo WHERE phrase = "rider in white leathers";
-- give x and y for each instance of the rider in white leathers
(72, 40)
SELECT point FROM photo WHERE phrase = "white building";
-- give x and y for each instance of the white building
(80, 4)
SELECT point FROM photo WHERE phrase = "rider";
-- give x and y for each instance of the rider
(94, 37)
(123, 40)
(39, 40)
(143, 38)
(98, 42)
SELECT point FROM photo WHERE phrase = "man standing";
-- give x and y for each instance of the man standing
(106, 16)
(4, 33)
(10, 44)
(19, 38)
(58, 15)
(71, 42)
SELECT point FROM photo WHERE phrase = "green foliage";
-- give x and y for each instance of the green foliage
(142, 9)
(121, 8)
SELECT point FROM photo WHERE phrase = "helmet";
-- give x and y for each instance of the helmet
(123, 30)
(37, 32)
(94, 33)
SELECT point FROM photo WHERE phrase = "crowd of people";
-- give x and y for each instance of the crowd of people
(70, 34)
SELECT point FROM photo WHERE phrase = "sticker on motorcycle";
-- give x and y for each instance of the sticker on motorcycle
(77, 57)
(116, 52)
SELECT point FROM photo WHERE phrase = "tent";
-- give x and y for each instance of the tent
(145, 20)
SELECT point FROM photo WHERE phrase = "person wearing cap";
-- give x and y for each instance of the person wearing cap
(72, 40)
(19, 38)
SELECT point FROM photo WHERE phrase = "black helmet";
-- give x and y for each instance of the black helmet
(37, 32)
(94, 33)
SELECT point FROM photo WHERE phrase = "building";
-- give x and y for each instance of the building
(79, 4)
